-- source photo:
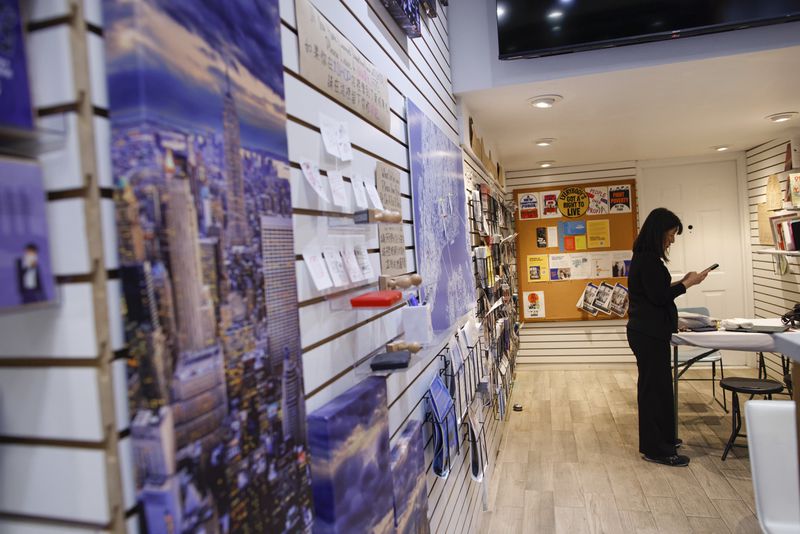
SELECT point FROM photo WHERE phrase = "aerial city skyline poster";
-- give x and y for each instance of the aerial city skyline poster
(440, 220)
(203, 206)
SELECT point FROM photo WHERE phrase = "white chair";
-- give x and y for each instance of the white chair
(772, 441)
(685, 354)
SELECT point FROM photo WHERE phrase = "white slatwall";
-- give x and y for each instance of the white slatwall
(773, 294)
(59, 451)
(591, 342)
(334, 338)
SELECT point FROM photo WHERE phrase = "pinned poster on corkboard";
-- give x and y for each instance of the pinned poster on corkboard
(331, 62)
(587, 230)
(390, 236)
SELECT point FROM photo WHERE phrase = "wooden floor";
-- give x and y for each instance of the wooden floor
(570, 463)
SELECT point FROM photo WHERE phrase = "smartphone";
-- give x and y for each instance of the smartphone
(713, 267)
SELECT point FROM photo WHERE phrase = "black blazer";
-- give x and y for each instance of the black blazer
(652, 308)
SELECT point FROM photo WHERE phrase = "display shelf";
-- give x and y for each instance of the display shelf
(30, 143)
(776, 252)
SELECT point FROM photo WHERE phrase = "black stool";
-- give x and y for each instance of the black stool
(748, 386)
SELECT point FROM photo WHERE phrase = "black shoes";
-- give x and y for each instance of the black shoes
(672, 461)
(678, 442)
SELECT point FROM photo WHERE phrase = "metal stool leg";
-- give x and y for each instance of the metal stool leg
(736, 424)
(721, 376)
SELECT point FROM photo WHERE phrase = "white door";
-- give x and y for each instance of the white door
(705, 197)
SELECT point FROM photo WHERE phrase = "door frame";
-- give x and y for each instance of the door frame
(745, 248)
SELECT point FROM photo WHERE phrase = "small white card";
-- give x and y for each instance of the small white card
(345, 148)
(372, 193)
(333, 259)
(359, 193)
(552, 236)
(338, 189)
(351, 265)
(314, 179)
(319, 272)
(363, 262)
(329, 129)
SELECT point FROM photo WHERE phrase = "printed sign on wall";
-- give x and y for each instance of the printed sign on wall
(533, 302)
(529, 206)
(619, 198)
(573, 202)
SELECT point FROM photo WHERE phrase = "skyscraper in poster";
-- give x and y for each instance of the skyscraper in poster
(236, 225)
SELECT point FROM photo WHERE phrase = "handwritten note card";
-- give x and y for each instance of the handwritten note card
(390, 236)
(338, 189)
(359, 193)
(314, 179)
(330, 62)
(316, 266)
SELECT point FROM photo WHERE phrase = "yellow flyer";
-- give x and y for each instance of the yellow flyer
(538, 270)
(598, 233)
(580, 242)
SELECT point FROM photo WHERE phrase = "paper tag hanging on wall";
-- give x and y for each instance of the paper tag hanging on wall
(314, 179)
(359, 192)
(338, 189)
(363, 262)
(345, 148)
(372, 194)
(316, 267)
(351, 265)
(329, 129)
(333, 260)
(573, 202)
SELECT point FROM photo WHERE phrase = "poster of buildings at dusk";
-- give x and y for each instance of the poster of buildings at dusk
(207, 265)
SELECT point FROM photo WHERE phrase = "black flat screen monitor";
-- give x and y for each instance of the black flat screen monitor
(534, 28)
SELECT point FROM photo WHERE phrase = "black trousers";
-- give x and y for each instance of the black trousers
(655, 396)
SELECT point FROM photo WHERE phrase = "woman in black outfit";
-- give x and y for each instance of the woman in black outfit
(653, 317)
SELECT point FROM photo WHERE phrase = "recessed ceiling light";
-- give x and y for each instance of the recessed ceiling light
(545, 101)
(721, 148)
(500, 11)
(555, 15)
(782, 117)
(545, 164)
(545, 141)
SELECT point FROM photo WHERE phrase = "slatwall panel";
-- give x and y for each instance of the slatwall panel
(59, 454)
(773, 294)
(595, 342)
(334, 338)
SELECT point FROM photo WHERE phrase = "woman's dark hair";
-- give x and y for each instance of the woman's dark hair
(655, 227)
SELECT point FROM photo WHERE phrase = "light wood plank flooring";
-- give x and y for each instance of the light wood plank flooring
(570, 464)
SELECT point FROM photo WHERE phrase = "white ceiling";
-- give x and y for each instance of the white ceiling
(672, 110)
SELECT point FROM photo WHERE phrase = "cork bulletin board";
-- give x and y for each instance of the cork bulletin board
(568, 236)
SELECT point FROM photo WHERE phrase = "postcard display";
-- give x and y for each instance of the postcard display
(207, 266)
(574, 249)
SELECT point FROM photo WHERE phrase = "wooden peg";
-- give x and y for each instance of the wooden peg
(399, 282)
(402, 345)
(377, 216)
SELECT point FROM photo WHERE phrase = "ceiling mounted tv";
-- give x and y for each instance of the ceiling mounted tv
(535, 28)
